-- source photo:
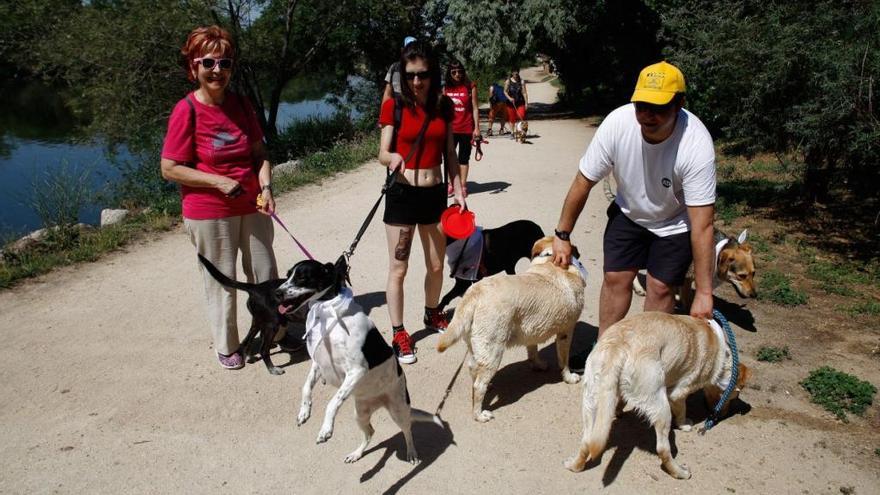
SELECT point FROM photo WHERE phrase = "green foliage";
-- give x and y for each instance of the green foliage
(773, 354)
(752, 78)
(869, 307)
(836, 277)
(839, 392)
(58, 197)
(342, 156)
(776, 287)
(308, 136)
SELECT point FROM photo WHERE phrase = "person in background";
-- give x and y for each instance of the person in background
(392, 78)
(663, 160)
(214, 150)
(466, 122)
(417, 197)
(517, 97)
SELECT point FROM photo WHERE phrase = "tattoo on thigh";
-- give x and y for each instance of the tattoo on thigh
(404, 243)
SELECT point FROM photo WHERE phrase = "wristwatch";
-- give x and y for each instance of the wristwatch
(267, 186)
(563, 235)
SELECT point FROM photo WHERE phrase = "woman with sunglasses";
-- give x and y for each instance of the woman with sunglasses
(214, 150)
(413, 151)
(466, 123)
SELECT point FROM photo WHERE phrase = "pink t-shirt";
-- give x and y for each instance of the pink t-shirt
(463, 121)
(224, 136)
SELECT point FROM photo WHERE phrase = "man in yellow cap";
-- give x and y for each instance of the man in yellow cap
(663, 160)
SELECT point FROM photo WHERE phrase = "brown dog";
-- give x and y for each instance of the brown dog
(520, 131)
(652, 362)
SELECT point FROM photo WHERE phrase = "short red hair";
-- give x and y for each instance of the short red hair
(204, 40)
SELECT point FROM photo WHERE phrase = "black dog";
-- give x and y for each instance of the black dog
(502, 248)
(264, 304)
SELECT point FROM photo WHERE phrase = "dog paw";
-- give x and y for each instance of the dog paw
(412, 457)
(679, 471)
(353, 457)
(686, 425)
(573, 464)
(275, 370)
(324, 434)
(484, 416)
(570, 378)
(304, 413)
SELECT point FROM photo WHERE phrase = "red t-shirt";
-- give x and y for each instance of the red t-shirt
(430, 152)
(224, 136)
(463, 122)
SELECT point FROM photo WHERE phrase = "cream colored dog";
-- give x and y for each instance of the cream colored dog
(653, 362)
(520, 131)
(518, 310)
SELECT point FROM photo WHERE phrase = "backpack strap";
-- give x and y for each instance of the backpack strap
(192, 117)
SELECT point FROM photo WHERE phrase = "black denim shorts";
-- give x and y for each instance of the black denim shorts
(410, 205)
(628, 246)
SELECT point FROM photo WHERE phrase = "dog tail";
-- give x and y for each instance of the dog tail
(463, 319)
(220, 277)
(601, 384)
(420, 416)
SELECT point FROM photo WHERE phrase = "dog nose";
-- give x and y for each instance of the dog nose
(279, 292)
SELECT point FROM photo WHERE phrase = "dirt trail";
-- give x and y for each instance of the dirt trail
(111, 385)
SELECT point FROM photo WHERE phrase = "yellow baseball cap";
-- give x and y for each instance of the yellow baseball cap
(658, 84)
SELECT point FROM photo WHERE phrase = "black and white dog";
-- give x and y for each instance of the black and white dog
(502, 248)
(264, 305)
(349, 353)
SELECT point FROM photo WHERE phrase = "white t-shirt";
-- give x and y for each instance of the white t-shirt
(655, 182)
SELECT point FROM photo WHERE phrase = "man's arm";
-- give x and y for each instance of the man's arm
(702, 236)
(571, 210)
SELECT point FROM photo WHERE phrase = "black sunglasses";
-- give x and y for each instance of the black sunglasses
(456, 71)
(208, 62)
(426, 74)
(655, 109)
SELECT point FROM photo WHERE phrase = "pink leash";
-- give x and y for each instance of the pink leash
(301, 247)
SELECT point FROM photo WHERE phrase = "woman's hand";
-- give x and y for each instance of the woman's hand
(458, 193)
(230, 187)
(396, 163)
(266, 202)
(477, 135)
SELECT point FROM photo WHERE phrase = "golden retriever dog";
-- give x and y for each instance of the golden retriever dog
(520, 131)
(651, 362)
(518, 310)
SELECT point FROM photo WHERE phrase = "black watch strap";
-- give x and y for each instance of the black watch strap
(563, 235)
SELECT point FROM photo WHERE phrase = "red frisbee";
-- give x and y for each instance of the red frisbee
(458, 224)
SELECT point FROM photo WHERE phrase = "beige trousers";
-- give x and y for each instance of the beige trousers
(220, 241)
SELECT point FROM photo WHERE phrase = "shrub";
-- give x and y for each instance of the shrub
(773, 354)
(311, 135)
(777, 289)
(839, 392)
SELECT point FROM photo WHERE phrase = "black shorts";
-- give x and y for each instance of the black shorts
(410, 205)
(463, 143)
(628, 245)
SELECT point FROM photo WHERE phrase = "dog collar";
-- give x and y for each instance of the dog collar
(582, 271)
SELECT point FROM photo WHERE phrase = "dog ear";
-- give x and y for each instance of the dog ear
(745, 375)
(724, 260)
(742, 236)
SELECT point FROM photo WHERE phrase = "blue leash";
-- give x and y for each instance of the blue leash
(713, 418)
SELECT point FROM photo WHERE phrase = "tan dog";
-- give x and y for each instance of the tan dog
(652, 362)
(734, 263)
(518, 310)
(520, 131)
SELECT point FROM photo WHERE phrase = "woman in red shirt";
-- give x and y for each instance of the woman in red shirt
(466, 122)
(214, 150)
(418, 195)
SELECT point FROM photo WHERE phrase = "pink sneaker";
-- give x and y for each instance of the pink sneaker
(233, 361)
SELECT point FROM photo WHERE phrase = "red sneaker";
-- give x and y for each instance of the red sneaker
(436, 320)
(403, 346)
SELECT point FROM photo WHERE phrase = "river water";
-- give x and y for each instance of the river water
(37, 141)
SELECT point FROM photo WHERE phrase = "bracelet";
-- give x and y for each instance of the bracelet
(267, 187)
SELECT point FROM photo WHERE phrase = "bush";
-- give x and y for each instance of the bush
(772, 354)
(839, 392)
(777, 289)
(311, 135)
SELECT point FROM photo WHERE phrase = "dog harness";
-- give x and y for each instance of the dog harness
(323, 316)
(464, 256)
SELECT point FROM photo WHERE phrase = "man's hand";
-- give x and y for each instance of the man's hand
(702, 306)
(561, 252)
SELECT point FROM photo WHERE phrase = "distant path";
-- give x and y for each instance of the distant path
(110, 384)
